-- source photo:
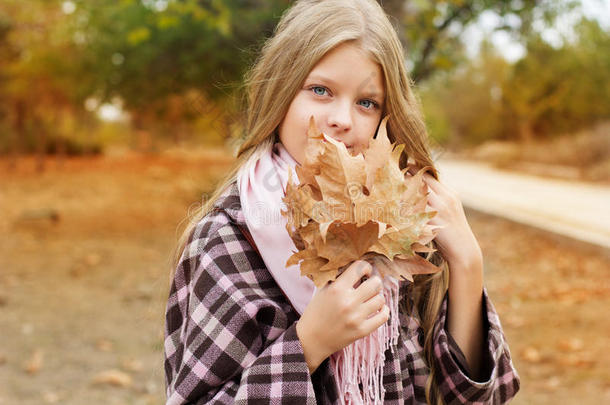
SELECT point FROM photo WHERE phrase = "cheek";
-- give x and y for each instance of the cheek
(293, 129)
(369, 129)
(302, 111)
(297, 119)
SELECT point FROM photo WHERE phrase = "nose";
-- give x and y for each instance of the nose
(340, 117)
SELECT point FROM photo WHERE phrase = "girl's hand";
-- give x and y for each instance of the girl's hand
(456, 241)
(459, 247)
(340, 313)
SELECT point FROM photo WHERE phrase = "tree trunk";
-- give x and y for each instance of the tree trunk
(526, 133)
(143, 138)
(60, 143)
(18, 132)
(41, 135)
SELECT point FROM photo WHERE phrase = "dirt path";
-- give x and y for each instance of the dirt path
(85, 295)
(82, 297)
(570, 208)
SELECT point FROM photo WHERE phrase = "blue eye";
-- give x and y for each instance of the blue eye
(372, 104)
(321, 91)
(314, 88)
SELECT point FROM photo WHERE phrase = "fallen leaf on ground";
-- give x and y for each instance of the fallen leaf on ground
(50, 397)
(576, 360)
(572, 344)
(114, 377)
(104, 345)
(531, 355)
(93, 259)
(35, 362)
(552, 383)
(514, 321)
(132, 365)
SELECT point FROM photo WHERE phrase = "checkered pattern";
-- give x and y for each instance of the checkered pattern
(230, 335)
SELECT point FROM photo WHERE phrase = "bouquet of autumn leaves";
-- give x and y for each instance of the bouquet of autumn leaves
(363, 206)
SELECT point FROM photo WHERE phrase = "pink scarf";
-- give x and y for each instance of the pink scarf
(262, 184)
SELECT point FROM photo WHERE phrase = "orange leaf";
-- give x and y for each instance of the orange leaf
(350, 206)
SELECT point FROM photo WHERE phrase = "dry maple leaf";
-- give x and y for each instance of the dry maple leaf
(357, 206)
(113, 377)
(35, 362)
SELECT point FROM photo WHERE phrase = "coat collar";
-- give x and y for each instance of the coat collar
(229, 202)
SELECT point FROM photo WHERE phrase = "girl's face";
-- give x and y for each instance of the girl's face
(345, 94)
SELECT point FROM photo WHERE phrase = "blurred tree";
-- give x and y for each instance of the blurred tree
(7, 54)
(152, 54)
(551, 91)
(431, 29)
(172, 62)
(466, 107)
(557, 90)
(535, 87)
(36, 79)
(148, 52)
(588, 100)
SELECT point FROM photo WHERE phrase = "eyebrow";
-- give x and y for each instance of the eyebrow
(372, 94)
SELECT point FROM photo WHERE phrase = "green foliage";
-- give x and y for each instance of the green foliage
(556, 90)
(177, 67)
(469, 101)
(144, 54)
(38, 89)
(431, 30)
(549, 92)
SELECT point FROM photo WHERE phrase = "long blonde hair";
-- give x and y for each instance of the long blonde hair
(304, 34)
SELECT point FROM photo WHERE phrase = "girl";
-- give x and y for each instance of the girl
(243, 328)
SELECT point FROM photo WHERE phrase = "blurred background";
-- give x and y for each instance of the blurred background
(117, 118)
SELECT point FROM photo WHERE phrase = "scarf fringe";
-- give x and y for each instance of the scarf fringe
(361, 363)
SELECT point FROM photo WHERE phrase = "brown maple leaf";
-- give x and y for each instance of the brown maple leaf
(357, 206)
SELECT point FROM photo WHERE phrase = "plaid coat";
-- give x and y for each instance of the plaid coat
(230, 334)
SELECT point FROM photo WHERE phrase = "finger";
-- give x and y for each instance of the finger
(374, 322)
(369, 288)
(429, 207)
(433, 183)
(372, 306)
(433, 199)
(353, 274)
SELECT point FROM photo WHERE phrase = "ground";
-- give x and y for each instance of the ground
(84, 275)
